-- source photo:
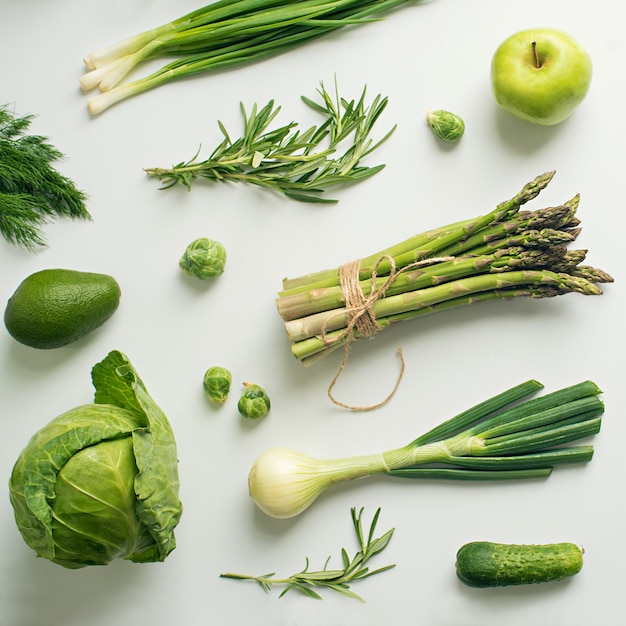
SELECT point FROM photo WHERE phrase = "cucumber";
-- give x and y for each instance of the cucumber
(488, 564)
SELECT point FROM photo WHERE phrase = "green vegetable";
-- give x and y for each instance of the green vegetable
(488, 564)
(339, 580)
(55, 307)
(498, 439)
(504, 254)
(299, 165)
(446, 125)
(100, 482)
(216, 384)
(204, 259)
(220, 35)
(254, 402)
(31, 191)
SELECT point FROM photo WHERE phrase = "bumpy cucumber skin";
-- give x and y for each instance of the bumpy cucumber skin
(489, 564)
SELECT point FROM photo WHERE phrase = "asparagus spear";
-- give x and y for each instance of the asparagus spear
(310, 350)
(421, 245)
(321, 299)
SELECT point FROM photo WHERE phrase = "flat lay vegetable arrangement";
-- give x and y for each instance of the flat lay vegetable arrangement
(108, 481)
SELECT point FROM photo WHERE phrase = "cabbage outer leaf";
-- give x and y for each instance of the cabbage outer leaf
(157, 482)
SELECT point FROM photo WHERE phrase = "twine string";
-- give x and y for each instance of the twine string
(360, 315)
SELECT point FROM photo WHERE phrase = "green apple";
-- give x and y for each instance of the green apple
(540, 75)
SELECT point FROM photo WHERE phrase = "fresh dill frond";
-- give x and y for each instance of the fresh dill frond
(32, 191)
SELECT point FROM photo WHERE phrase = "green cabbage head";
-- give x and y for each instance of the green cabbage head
(100, 482)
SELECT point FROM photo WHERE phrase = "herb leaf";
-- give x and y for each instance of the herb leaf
(335, 579)
(31, 190)
(299, 165)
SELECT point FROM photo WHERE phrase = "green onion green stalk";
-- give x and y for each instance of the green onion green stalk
(502, 438)
(507, 253)
(217, 36)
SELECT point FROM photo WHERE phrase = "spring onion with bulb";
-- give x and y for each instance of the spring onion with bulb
(220, 35)
(502, 438)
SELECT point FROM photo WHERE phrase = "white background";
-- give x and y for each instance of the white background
(433, 54)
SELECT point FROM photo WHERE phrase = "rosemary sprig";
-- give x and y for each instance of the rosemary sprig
(338, 580)
(300, 165)
(31, 190)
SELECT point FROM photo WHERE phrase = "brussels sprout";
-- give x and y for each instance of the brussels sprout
(204, 259)
(100, 482)
(446, 125)
(217, 384)
(254, 402)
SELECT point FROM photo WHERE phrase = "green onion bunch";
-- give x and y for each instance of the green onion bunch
(220, 35)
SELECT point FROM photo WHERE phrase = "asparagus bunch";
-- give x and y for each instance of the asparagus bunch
(504, 254)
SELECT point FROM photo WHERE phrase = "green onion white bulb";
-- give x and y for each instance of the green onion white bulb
(284, 482)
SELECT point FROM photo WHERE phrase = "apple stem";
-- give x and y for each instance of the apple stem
(537, 63)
